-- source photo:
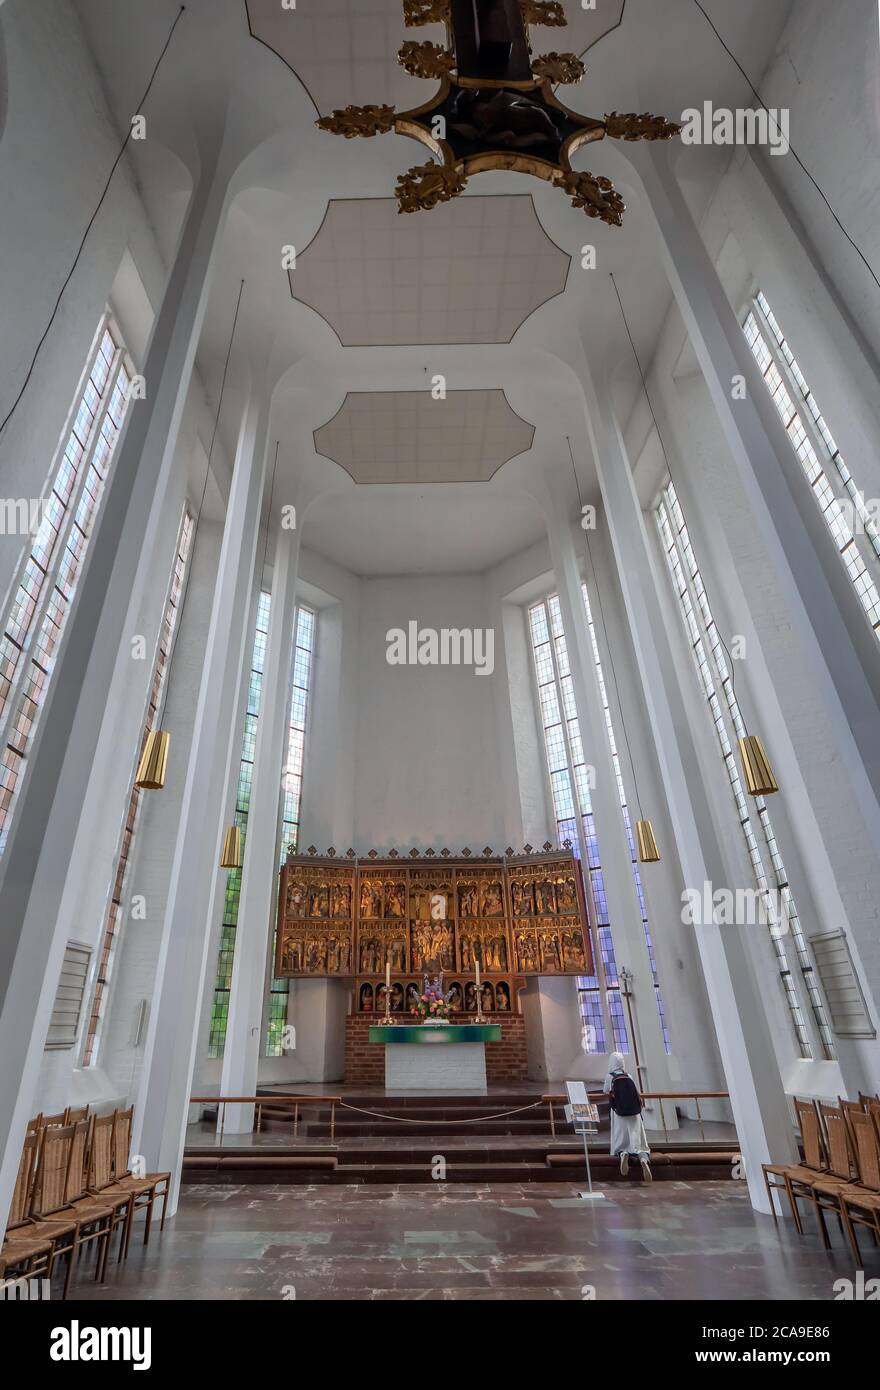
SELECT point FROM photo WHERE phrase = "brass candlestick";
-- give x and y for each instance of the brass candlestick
(480, 1018)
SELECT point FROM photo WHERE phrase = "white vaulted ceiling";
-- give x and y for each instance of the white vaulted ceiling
(345, 51)
(408, 437)
(472, 272)
(487, 289)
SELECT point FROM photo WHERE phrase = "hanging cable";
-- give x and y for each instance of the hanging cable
(598, 594)
(665, 454)
(179, 624)
(796, 156)
(89, 225)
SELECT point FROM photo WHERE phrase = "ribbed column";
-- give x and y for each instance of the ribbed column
(104, 614)
(253, 933)
(166, 1078)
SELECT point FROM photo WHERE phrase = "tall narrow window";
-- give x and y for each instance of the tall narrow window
(814, 445)
(569, 785)
(220, 1009)
(303, 659)
(612, 742)
(115, 910)
(34, 624)
(761, 844)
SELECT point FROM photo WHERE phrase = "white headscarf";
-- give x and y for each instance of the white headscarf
(616, 1063)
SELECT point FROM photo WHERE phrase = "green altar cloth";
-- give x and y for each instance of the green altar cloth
(436, 1033)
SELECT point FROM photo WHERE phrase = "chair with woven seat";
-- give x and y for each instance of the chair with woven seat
(827, 1193)
(101, 1184)
(144, 1190)
(800, 1175)
(98, 1217)
(26, 1249)
(47, 1208)
(862, 1200)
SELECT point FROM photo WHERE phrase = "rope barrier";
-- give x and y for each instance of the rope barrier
(476, 1119)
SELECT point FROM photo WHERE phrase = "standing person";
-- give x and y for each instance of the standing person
(627, 1130)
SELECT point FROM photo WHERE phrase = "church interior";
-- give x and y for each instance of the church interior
(440, 650)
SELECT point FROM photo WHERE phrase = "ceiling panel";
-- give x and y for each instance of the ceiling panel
(408, 437)
(470, 271)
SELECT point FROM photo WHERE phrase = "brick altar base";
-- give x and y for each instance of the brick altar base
(365, 1061)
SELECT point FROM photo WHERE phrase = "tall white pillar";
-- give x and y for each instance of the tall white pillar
(103, 617)
(839, 659)
(169, 1057)
(751, 1071)
(253, 933)
(785, 515)
(624, 913)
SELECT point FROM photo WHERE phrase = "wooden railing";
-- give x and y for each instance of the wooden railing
(695, 1096)
(289, 1102)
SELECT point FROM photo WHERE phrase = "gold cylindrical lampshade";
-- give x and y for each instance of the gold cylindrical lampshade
(150, 775)
(756, 766)
(647, 842)
(231, 856)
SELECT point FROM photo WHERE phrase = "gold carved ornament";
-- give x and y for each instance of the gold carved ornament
(547, 12)
(416, 12)
(559, 68)
(426, 185)
(426, 59)
(362, 121)
(484, 121)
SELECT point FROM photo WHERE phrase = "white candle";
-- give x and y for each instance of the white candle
(387, 973)
(477, 964)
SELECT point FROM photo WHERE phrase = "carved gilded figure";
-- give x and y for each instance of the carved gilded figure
(567, 895)
(522, 899)
(493, 902)
(545, 897)
(395, 899)
(502, 997)
(296, 899)
(371, 899)
(340, 899)
(468, 900)
(319, 900)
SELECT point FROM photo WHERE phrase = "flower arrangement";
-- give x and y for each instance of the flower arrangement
(433, 1006)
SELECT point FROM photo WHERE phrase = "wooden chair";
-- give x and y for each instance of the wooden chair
(74, 1116)
(826, 1193)
(848, 1108)
(798, 1176)
(100, 1180)
(46, 1209)
(98, 1218)
(47, 1121)
(144, 1191)
(35, 1125)
(25, 1249)
(862, 1201)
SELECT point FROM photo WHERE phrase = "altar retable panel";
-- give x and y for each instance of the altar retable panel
(518, 914)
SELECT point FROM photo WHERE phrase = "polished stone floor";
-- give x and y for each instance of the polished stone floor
(664, 1241)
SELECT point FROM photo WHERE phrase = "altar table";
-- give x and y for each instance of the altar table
(435, 1057)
